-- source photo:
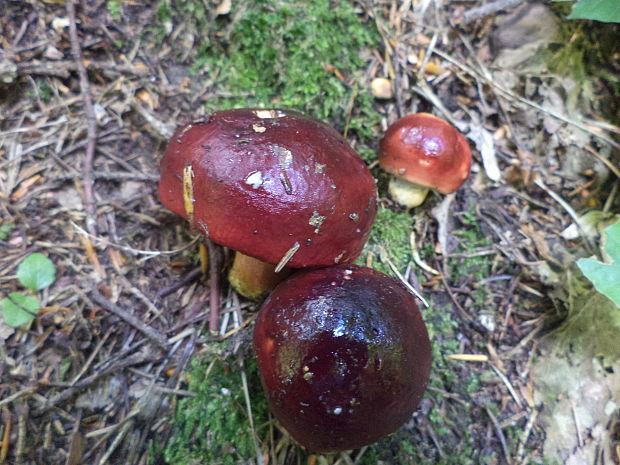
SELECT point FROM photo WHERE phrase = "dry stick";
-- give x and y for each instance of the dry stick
(182, 282)
(151, 333)
(21, 437)
(214, 295)
(500, 434)
(13, 397)
(91, 135)
(488, 9)
(517, 98)
(6, 436)
(76, 443)
(135, 359)
(111, 176)
(63, 69)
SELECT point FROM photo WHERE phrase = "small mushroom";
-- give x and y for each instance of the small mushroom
(280, 188)
(423, 152)
(343, 354)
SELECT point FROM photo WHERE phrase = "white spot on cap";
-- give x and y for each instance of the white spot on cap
(264, 114)
(316, 221)
(254, 179)
(412, 136)
(258, 128)
(337, 410)
(285, 157)
(432, 147)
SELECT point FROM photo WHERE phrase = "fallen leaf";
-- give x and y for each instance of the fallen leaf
(486, 146)
(223, 8)
(577, 382)
(606, 276)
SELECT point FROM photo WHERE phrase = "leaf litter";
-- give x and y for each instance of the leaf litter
(83, 384)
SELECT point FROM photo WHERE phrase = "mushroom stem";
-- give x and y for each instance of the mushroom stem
(253, 278)
(407, 193)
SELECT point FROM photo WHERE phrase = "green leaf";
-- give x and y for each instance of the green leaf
(607, 11)
(19, 309)
(606, 276)
(5, 230)
(36, 272)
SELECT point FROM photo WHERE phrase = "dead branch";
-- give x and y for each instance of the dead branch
(135, 359)
(91, 119)
(214, 297)
(151, 333)
(487, 9)
(63, 69)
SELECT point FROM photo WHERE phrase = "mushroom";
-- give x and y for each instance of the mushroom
(343, 354)
(423, 152)
(278, 187)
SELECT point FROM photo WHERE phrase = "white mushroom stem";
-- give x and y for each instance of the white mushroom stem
(407, 193)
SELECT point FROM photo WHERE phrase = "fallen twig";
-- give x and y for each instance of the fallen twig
(214, 296)
(135, 359)
(183, 281)
(91, 120)
(63, 69)
(500, 434)
(487, 9)
(111, 176)
(13, 397)
(485, 77)
(153, 334)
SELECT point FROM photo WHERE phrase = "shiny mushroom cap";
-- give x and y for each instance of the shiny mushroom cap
(273, 184)
(426, 150)
(343, 354)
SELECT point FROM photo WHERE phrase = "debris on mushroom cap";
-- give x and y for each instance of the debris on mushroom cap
(264, 180)
(426, 150)
(343, 354)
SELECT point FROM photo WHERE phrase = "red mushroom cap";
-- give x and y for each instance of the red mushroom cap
(271, 182)
(426, 150)
(343, 354)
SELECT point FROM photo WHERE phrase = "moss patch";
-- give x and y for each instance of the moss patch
(214, 427)
(289, 54)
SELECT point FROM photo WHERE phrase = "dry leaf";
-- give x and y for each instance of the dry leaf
(224, 8)
(485, 145)
(577, 383)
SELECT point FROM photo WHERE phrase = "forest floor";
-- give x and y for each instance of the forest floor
(116, 368)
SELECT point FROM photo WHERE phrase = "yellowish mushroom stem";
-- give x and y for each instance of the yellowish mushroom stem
(407, 193)
(253, 278)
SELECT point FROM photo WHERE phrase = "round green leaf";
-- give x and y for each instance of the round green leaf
(36, 272)
(19, 309)
(605, 276)
(599, 10)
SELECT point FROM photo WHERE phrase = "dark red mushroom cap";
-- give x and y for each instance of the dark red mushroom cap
(343, 354)
(271, 182)
(426, 150)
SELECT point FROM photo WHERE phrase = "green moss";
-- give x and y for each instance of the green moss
(389, 233)
(214, 427)
(114, 8)
(5, 230)
(43, 92)
(289, 54)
